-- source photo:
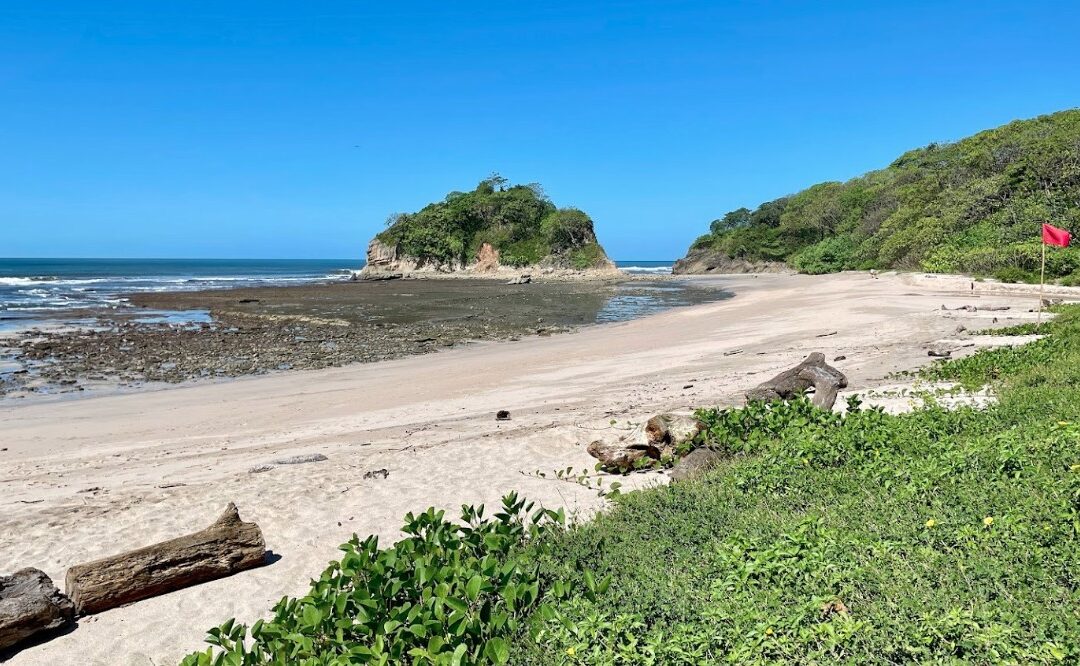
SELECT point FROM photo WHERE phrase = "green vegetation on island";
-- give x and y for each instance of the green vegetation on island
(973, 206)
(935, 536)
(519, 222)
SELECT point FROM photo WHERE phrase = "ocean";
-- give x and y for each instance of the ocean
(646, 267)
(34, 290)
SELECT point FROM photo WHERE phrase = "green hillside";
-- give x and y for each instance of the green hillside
(518, 221)
(973, 206)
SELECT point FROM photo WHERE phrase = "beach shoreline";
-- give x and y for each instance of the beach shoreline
(191, 336)
(89, 478)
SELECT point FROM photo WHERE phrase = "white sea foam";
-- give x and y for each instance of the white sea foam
(652, 270)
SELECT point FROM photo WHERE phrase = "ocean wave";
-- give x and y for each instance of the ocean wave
(646, 269)
(49, 280)
(17, 280)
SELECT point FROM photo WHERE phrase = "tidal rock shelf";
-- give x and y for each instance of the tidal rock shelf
(262, 330)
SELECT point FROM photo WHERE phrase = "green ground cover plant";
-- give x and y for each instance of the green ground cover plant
(449, 593)
(974, 206)
(930, 537)
(937, 536)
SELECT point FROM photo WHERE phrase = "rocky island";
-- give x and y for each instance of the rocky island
(495, 229)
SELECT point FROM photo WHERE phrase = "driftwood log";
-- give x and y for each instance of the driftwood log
(621, 455)
(790, 384)
(657, 439)
(30, 604)
(670, 430)
(226, 547)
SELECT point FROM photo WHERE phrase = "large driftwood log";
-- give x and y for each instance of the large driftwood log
(226, 547)
(621, 455)
(657, 439)
(665, 430)
(812, 372)
(30, 604)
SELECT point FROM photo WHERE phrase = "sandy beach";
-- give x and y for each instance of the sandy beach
(86, 478)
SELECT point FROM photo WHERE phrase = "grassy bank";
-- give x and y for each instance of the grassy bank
(932, 537)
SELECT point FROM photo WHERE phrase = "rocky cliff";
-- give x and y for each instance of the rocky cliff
(703, 261)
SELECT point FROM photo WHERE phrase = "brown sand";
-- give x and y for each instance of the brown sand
(87, 478)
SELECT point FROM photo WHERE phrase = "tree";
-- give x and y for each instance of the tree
(736, 219)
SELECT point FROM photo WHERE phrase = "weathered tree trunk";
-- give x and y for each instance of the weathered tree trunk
(620, 456)
(226, 547)
(671, 429)
(30, 604)
(658, 438)
(789, 384)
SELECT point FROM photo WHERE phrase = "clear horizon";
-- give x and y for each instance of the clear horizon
(259, 130)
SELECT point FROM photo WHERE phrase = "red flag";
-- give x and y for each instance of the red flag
(1054, 236)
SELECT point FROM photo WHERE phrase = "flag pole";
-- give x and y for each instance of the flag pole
(1042, 281)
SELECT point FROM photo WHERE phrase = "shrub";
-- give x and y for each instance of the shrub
(829, 256)
(587, 256)
(446, 594)
(1013, 274)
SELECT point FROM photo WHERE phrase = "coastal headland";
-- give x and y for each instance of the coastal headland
(88, 478)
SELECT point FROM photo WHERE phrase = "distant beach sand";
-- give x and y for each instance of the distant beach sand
(83, 479)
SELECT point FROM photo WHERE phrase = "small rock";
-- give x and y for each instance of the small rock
(694, 463)
(839, 358)
(688, 386)
(502, 415)
(939, 353)
(260, 468)
(377, 474)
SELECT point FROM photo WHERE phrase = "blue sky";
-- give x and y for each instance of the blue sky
(266, 129)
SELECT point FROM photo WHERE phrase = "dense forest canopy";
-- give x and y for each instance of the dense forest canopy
(973, 206)
(519, 221)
